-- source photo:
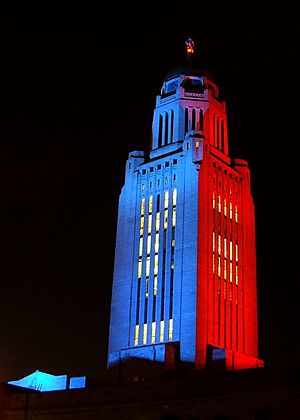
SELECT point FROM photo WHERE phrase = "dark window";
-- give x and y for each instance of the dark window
(186, 120)
(193, 119)
(160, 131)
(201, 120)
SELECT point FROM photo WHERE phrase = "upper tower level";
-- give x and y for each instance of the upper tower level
(189, 100)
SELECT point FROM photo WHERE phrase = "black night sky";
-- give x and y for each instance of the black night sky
(75, 99)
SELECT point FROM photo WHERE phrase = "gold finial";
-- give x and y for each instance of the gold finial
(189, 46)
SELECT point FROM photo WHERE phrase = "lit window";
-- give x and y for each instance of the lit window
(174, 198)
(225, 248)
(219, 244)
(147, 266)
(140, 269)
(173, 243)
(197, 144)
(230, 250)
(214, 201)
(141, 247)
(149, 223)
(214, 241)
(174, 217)
(143, 207)
(236, 252)
(170, 329)
(225, 207)
(155, 285)
(153, 328)
(150, 204)
(225, 269)
(142, 226)
(156, 245)
(219, 204)
(155, 268)
(147, 287)
(165, 219)
(236, 214)
(136, 335)
(145, 334)
(236, 275)
(230, 272)
(166, 202)
(213, 263)
(148, 244)
(162, 331)
(143, 187)
(230, 210)
(219, 266)
(157, 218)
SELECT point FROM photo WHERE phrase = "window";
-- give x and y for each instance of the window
(145, 334)
(170, 329)
(162, 331)
(136, 335)
(153, 328)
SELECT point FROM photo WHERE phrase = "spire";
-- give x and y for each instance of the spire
(189, 48)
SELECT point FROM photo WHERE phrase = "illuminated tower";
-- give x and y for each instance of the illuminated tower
(184, 281)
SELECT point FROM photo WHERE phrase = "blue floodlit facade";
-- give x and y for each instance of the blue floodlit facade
(154, 287)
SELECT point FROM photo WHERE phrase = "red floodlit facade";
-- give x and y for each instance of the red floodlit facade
(226, 280)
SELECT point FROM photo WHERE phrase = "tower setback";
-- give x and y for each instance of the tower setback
(184, 285)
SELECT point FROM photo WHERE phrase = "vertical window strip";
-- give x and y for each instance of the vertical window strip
(149, 223)
(142, 225)
(136, 335)
(150, 204)
(160, 124)
(214, 200)
(236, 214)
(162, 331)
(219, 244)
(142, 207)
(148, 244)
(213, 241)
(155, 285)
(236, 274)
(219, 204)
(140, 266)
(186, 120)
(193, 119)
(141, 247)
(230, 250)
(225, 207)
(236, 252)
(230, 272)
(145, 330)
(166, 128)
(230, 210)
(201, 120)
(219, 266)
(174, 197)
(225, 248)
(153, 331)
(170, 329)
(172, 126)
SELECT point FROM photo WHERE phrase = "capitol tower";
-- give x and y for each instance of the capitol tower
(184, 284)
